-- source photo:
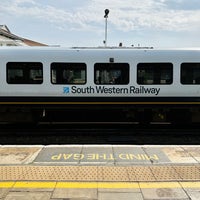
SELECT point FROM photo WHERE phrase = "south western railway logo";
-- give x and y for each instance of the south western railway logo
(111, 90)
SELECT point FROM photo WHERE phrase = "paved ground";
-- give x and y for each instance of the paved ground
(99, 155)
(102, 172)
(104, 191)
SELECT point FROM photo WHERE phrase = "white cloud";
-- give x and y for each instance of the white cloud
(131, 18)
(148, 14)
(126, 16)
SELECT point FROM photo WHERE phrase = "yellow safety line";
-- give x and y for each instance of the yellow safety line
(77, 185)
(35, 185)
(160, 185)
(190, 184)
(6, 184)
(118, 185)
(105, 185)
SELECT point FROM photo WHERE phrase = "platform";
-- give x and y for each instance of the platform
(100, 172)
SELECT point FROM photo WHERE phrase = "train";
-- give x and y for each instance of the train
(141, 85)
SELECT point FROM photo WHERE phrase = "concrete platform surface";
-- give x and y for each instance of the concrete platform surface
(99, 155)
(71, 172)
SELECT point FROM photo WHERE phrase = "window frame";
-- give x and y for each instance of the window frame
(111, 67)
(151, 66)
(26, 68)
(62, 68)
(187, 64)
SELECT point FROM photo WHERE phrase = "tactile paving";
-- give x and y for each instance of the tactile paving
(12, 172)
(165, 173)
(64, 173)
(188, 172)
(140, 173)
(87, 173)
(38, 173)
(113, 174)
(100, 173)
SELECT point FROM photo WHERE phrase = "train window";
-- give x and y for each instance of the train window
(24, 73)
(190, 73)
(154, 73)
(111, 73)
(68, 73)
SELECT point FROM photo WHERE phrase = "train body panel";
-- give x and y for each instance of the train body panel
(99, 80)
(90, 57)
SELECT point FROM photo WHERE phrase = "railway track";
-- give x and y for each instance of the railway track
(98, 133)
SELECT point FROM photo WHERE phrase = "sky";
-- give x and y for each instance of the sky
(81, 23)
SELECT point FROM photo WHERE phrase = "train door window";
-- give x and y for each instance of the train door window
(24, 73)
(154, 73)
(111, 73)
(190, 73)
(68, 73)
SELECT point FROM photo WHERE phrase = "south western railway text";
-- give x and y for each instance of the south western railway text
(114, 90)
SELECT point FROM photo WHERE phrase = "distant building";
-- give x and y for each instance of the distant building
(9, 39)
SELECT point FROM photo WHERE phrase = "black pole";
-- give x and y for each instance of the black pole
(106, 25)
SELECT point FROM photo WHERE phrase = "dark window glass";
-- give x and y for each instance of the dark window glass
(68, 73)
(111, 73)
(24, 73)
(154, 73)
(190, 73)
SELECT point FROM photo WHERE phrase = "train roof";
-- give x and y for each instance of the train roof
(97, 48)
(94, 51)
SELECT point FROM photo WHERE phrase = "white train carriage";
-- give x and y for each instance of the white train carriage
(106, 84)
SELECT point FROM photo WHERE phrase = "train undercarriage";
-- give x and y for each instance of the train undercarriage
(136, 114)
